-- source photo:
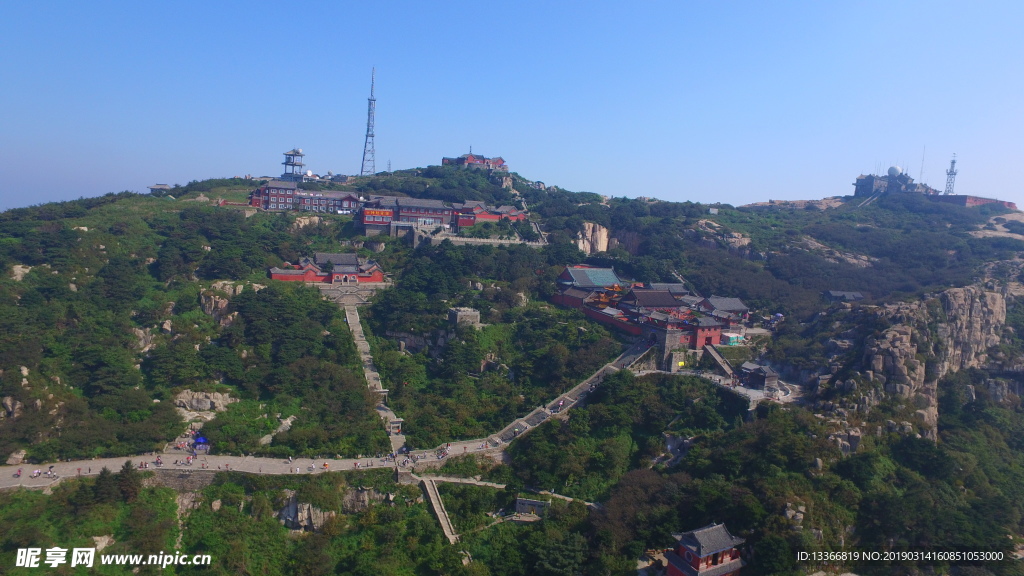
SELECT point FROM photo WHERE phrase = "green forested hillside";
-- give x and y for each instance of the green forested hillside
(106, 267)
(106, 315)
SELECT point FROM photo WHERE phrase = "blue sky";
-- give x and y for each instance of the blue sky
(708, 101)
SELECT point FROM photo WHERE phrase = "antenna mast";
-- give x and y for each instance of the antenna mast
(369, 162)
(951, 175)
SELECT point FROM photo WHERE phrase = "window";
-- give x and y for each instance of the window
(273, 205)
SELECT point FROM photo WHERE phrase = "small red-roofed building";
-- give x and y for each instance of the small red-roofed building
(707, 551)
(343, 269)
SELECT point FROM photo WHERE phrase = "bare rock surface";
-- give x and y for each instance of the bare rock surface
(203, 401)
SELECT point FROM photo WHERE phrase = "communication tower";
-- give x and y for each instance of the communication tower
(369, 162)
(950, 176)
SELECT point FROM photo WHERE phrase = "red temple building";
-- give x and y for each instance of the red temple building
(477, 161)
(475, 212)
(707, 551)
(330, 268)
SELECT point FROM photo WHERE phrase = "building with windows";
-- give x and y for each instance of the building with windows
(332, 202)
(274, 195)
(380, 214)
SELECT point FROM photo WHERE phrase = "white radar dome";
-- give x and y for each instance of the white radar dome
(895, 170)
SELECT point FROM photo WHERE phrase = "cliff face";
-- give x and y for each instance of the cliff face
(592, 239)
(926, 340)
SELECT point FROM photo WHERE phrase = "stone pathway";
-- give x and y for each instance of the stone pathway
(372, 376)
(430, 487)
(217, 463)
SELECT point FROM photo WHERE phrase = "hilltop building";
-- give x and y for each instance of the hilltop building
(293, 166)
(707, 551)
(330, 268)
(281, 195)
(331, 202)
(897, 181)
(382, 214)
(274, 195)
(474, 212)
(477, 162)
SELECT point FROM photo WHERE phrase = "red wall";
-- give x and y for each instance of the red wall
(310, 275)
(627, 327)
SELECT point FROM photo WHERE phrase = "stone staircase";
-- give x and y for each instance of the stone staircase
(430, 487)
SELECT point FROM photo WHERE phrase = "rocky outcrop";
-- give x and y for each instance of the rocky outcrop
(1001, 390)
(592, 239)
(144, 339)
(16, 457)
(285, 426)
(203, 401)
(848, 440)
(360, 499)
(303, 221)
(11, 407)
(19, 271)
(101, 542)
(301, 515)
(926, 340)
(215, 301)
(213, 304)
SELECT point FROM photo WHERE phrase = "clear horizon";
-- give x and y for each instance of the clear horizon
(734, 103)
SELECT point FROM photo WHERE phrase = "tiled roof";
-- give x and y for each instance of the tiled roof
(691, 300)
(384, 201)
(671, 287)
(709, 539)
(593, 277)
(576, 292)
(346, 259)
(656, 299)
(727, 304)
(840, 295)
(707, 322)
(281, 184)
(421, 203)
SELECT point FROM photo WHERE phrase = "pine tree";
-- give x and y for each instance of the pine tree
(105, 489)
(129, 481)
(84, 497)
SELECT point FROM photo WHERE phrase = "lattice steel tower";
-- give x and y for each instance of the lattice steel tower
(951, 176)
(369, 162)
